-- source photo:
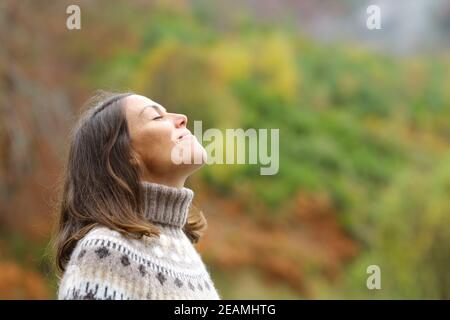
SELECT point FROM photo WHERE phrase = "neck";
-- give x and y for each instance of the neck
(176, 181)
(167, 205)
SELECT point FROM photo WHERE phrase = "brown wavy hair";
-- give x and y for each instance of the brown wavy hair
(101, 184)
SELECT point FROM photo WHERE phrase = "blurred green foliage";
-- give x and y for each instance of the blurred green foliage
(372, 131)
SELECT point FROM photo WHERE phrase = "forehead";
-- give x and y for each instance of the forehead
(134, 104)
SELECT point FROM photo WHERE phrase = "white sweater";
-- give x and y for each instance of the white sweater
(107, 265)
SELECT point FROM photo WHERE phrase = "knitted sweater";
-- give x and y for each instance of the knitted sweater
(106, 265)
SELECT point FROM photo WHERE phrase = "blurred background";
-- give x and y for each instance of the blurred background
(364, 119)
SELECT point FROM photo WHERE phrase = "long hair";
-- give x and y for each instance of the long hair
(101, 184)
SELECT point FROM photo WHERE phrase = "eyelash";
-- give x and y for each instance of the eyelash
(157, 118)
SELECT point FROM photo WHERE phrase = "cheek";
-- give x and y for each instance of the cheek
(154, 144)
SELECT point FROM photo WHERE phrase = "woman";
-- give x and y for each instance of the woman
(125, 230)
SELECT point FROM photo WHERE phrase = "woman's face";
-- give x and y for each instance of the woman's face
(158, 137)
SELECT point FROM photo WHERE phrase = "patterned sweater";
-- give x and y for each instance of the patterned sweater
(107, 265)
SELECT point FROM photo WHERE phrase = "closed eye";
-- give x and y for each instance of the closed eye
(158, 117)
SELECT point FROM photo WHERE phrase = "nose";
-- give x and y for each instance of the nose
(181, 120)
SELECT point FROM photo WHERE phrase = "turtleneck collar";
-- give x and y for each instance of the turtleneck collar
(166, 205)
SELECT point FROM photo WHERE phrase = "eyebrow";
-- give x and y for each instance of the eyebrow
(158, 109)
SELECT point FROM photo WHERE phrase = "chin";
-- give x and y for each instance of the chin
(191, 167)
(199, 155)
(189, 153)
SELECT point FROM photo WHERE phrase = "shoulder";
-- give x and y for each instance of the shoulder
(103, 237)
(100, 267)
(99, 247)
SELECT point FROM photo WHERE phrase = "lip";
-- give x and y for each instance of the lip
(185, 135)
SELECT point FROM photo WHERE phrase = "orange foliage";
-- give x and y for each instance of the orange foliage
(18, 283)
(309, 240)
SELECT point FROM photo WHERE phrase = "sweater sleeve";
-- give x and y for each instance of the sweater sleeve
(96, 271)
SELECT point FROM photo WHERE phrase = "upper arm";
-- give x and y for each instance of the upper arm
(93, 273)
